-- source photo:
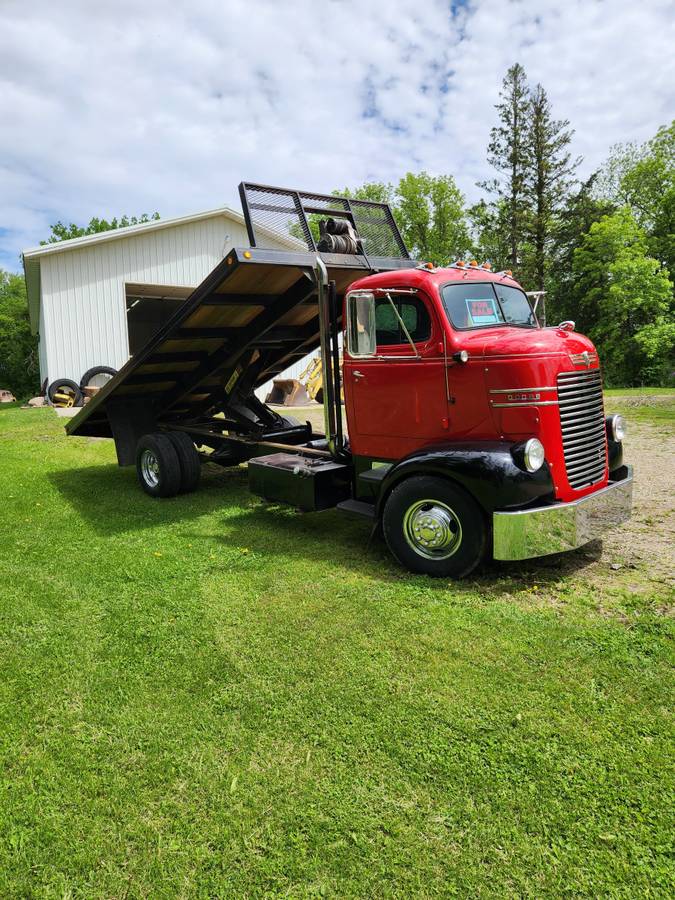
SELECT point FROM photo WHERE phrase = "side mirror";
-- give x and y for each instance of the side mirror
(567, 325)
(361, 323)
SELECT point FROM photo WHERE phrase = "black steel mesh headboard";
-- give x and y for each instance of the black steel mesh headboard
(272, 211)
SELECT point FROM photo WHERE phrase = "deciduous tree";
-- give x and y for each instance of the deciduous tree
(61, 232)
(432, 218)
(18, 347)
(625, 301)
(582, 209)
(429, 211)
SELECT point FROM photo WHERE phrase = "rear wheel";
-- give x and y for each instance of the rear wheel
(157, 466)
(434, 527)
(190, 464)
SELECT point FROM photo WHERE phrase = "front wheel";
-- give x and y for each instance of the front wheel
(434, 527)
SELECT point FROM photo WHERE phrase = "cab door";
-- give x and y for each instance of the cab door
(393, 372)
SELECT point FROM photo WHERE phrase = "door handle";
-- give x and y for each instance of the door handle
(357, 374)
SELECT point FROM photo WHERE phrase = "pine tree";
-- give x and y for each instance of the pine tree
(548, 175)
(508, 154)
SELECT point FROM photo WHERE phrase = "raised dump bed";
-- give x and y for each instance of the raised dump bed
(254, 315)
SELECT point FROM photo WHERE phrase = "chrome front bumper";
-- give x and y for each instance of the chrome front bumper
(562, 526)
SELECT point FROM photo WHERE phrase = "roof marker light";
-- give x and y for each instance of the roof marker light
(473, 263)
(460, 263)
(486, 265)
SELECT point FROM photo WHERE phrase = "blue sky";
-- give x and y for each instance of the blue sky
(112, 108)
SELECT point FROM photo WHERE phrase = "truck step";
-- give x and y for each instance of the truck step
(357, 508)
(374, 476)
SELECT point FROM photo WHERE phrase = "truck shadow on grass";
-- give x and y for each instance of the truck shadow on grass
(331, 537)
(110, 501)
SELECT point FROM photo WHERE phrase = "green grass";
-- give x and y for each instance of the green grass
(641, 408)
(640, 392)
(212, 697)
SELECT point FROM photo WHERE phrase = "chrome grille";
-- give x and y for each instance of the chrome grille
(582, 420)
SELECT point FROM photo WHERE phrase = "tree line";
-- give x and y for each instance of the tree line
(603, 249)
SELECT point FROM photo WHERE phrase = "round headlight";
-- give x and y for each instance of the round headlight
(533, 455)
(618, 428)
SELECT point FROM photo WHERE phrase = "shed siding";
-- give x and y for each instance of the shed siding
(83, 321)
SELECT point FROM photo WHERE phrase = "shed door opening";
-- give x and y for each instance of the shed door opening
(149, 307)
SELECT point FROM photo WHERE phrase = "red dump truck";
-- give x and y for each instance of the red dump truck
(471, 429)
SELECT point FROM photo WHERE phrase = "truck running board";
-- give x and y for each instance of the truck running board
(357, 508)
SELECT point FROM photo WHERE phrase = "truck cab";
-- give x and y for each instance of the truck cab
(449, 375)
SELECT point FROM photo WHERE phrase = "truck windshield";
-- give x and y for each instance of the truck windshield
(485, 305)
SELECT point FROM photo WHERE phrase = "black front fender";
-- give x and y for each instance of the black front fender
(486, 469)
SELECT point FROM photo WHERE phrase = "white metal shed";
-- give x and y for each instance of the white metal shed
(95, 300)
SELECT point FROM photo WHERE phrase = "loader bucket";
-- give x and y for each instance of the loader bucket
(287, 392)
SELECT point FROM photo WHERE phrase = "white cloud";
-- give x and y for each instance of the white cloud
(129, 107)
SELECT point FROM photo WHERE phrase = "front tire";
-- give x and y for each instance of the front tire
(157, 466)
(434, 527)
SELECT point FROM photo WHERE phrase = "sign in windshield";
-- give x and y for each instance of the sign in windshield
(482, 312)
(483, 305)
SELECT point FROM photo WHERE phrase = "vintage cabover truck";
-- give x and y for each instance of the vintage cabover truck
(471, 429)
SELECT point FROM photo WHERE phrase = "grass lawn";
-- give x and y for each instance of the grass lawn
(210, 696)
(640, 392)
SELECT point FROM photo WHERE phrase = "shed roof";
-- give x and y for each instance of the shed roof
(33, 256)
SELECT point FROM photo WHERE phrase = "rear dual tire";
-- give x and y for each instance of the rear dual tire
(434, 527)
(190, 464)
(167, 464)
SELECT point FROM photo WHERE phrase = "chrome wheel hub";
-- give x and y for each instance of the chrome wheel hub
(432, 529)
(150, 468)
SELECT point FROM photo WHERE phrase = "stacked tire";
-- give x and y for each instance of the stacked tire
(63, 388)
(64, 393)
(167, 463)
(100, 373)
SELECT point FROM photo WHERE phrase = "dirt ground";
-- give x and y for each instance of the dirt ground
(644, 546)
(649, 538)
